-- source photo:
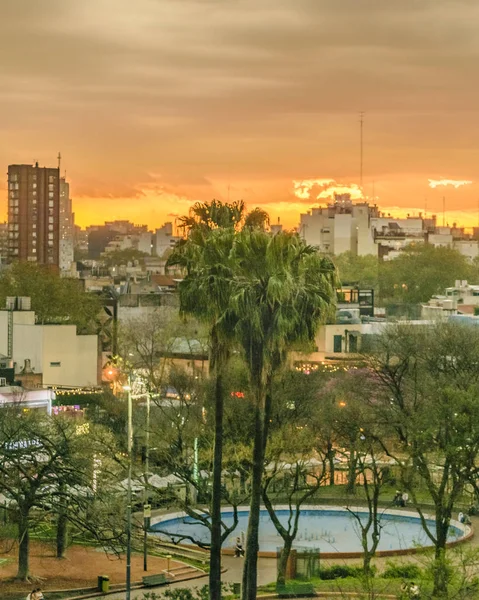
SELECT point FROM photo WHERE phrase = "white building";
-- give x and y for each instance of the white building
(340, 227)
(27, 399)
(164, 239)
(460, 299)
(344, 340)
(57, 352)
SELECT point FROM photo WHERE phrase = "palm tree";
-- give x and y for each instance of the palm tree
(281, 291)
(206, 257)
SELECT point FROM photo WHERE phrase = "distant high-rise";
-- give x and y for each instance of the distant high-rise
(66, 226)
(34, 214)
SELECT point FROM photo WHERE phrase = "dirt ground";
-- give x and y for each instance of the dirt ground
(80, 569)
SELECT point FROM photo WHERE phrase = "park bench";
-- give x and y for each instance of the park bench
(152, 580)
(295, 590)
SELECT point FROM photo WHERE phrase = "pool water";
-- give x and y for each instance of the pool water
(325, 529)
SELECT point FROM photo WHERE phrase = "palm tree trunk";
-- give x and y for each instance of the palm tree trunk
(24, 545)
(252, 544)
(215, 549)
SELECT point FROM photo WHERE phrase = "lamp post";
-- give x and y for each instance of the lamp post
(145, 492)
(128, 502)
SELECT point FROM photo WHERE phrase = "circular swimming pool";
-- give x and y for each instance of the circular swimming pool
(332, 530)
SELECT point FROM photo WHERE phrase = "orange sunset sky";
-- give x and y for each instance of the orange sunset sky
(157, 103)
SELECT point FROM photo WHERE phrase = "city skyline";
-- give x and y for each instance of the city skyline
(159, 104)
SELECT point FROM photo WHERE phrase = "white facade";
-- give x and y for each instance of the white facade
(30, 399)
(56, 351)
(164, 239)
(468, 248)
(145, 242)
(340, 227)
(339, 341)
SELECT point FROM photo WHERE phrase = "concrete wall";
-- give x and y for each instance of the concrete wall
(43, 345)
(77, 355)
(344, 234)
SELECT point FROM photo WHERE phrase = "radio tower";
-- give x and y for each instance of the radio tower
(361, 121)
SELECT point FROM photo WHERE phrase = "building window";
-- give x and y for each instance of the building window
(56, 364)
(338, 343)
(34, 185)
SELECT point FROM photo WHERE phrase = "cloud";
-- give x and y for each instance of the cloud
(322, 189)
(206, 90)
(456, 183)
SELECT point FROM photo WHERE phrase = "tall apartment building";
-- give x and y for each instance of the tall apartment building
(66, 226)
(34, 214)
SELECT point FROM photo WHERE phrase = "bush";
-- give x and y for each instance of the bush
(398, 571)
(342, 571)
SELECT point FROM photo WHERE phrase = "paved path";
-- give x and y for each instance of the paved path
(234, 566)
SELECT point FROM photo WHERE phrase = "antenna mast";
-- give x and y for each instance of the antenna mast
(59, 161)
(361, 121)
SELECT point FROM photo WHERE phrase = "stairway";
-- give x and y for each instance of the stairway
(183, 572)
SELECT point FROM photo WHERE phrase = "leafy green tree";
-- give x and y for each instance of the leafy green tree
(426, 402)
(281, 290)
(123, 257)
(295, 442)
(358, 270)
(44, 462)
(420, 272)
(54, 299)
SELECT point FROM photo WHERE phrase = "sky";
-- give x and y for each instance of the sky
(155, 104)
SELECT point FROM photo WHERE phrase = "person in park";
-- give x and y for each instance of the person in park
(36, 594)
(239, 550)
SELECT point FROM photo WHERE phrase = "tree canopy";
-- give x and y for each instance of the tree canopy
(360, 270)
(123, 257)
(420, 272)
(54, 299)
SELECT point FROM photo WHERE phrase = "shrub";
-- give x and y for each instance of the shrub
(342, 571)
(401, 571)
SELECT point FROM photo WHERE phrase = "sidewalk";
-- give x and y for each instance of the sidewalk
(233, 573)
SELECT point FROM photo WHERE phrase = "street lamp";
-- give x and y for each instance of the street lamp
(128, 501)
